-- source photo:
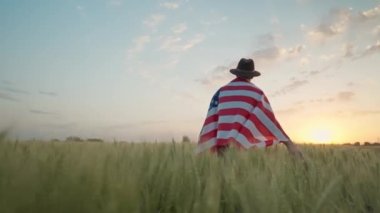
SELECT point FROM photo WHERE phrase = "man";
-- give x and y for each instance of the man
(240, 115)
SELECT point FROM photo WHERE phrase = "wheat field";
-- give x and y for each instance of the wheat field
(169, 177)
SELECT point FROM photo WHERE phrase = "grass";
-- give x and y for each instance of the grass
(167, 177)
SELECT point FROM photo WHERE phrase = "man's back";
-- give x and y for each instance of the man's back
(240, 113)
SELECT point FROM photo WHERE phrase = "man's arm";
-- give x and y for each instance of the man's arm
(293, 149)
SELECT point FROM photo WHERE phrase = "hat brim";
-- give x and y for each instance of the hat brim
(245, 73)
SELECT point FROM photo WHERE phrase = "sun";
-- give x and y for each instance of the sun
(321, 135)
(320, 131)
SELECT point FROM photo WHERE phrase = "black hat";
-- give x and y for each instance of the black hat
(245, 69)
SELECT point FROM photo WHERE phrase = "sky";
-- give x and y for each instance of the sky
(146, 70)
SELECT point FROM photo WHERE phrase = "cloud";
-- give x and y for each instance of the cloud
(267, 39)
(180, 28)
(348, 50)
(336, 22)
(81, 10)
(16, 91)
(345, 96)
(376, 30)
(276, 53)
(7, 97)
(314, 72)
(170, 5)
(274, 20)
(187, 95)
(216, 75)
(154, 20)
(293, 85)
(342, 97)
(304, 61)
(175, 43)
(270, 54)
(215, 20)
(40, 112)
(369, 14)
(6, 82)
(328, 57)
(339, 21)
(322, 100)
(371, 49)
(53, 94)
(139, 45)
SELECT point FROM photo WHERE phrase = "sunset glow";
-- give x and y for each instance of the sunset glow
(321, 136)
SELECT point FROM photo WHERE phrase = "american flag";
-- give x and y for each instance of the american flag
(240, 114)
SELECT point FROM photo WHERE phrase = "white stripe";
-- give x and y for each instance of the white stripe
(243, 141)
(209, 127)
(270, 125)
(247, 93)
(243, 84)
(240, 84)
(246, 122)
(267, 106)
(235, 104)
(226, 134)
(236, 135)
(212, 112)
(206, 145)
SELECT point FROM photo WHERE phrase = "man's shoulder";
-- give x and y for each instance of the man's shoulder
(241, 85)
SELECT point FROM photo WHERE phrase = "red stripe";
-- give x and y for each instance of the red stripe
(248, 88)
(205, 137)
(211, 119)
(269, 143)
(223, 142)
(234, 111)
(238, 127)
(246, 99)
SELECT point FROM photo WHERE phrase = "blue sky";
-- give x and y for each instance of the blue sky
(146, 70)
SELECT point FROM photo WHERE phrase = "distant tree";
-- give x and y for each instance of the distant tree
(186, 139)
(367, 143)
(55, 140)
(376, 144)
(347, 144)
(98, 140)
(74, 139)
(357, 144)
